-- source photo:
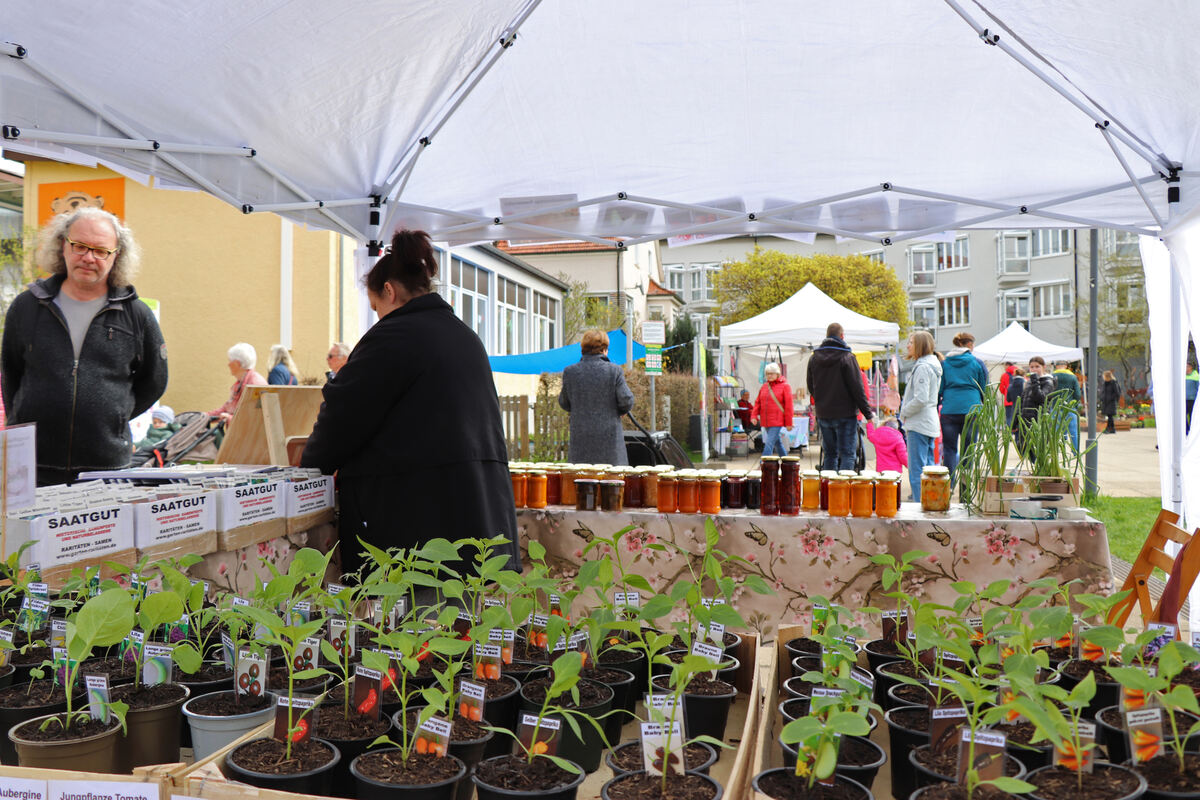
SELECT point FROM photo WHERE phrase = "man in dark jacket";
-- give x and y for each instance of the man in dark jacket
(835, 383)
(81, 356)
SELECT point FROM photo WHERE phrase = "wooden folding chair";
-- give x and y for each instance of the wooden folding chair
(1181, 570)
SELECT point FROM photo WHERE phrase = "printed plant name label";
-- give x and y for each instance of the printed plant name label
(539, 740)
(662, 748)
(433, 737)
(1144, 730)
(301, 711)
(98, 696)
(983, 753)
(368, 694)
(472, 698)
(1067, 758)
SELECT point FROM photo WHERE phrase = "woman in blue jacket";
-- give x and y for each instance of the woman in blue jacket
(964, 380)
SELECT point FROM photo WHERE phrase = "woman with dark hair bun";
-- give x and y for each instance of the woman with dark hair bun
(411, 423)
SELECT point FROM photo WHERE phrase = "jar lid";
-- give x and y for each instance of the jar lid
(668, 475)
(600, 467)
(868, 473)
(738, 474)
(811, 473)
(663, 468)
(753, 475)
(934, 469)
(839, 478)
(828, 473)
(850, 473)
(770, 458)
(515, 470)
(791, 459)
(889, 476)
(613, 482)
(537, 472)
(586, 480)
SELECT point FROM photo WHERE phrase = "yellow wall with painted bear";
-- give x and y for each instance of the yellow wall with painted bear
(217, 274)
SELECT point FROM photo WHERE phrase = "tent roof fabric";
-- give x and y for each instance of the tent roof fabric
(1018, 345)
(801, 321)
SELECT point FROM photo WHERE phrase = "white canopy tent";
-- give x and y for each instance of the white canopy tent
(1018, 345)
(526, 119)
(801, 320)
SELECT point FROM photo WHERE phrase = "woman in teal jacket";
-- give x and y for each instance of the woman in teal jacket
(964, 380)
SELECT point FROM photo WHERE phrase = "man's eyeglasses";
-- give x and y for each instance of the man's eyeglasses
(80, 249)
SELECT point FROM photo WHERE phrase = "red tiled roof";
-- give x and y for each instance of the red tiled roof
(538, 248)
(657, 289)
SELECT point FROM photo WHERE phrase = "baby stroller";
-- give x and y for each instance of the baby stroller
(860, 453)
(194, 441)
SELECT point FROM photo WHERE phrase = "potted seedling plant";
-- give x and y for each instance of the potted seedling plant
(816, 737)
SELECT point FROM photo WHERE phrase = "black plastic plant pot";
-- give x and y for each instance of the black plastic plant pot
(634, 662)
(1108, 693)
(502, 712)
(803, 664)
(468, 751)
(625, 776)
(854, 790)
(863, 773)
(342, 782)
(485, 791)
(1116, 742)
(370, 789)
(884, 681)
(797, 687)
(727, 673)
(703, 714)
(313, 781)
(702, 768)
(1099, 765)
(1033, 756)
(875, 657)
(927, 777)
(624, 699)
(796, 707)
(588, 747)
(901, 741)
(896, 699)
(6, 675)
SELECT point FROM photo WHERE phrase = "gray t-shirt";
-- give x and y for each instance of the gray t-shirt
(79, 315)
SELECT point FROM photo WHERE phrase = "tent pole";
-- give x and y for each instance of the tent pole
(1092, 459)
(1178, 356)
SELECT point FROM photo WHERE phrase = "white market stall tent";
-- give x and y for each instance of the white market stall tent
(801, 321)
(1018, 345)
(583, 119)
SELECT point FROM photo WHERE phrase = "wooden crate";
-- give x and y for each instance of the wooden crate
(996, 498)
(146, 783)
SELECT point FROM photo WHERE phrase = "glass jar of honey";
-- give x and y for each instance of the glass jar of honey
(935, 489)
(688, 491)
(839, 496)
(519, 479)
(554, 484)
(710, 492)
(570, 473)
(770, 486)
(612, 492)
(826, 476)
(736, 481)
(789, 486)
(887, 494)
(667, 491)
(810, 490)
(535, 489)
(587, 494)
(753, 489)
(862, 500)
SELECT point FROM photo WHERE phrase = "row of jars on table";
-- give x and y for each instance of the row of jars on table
(779, 487)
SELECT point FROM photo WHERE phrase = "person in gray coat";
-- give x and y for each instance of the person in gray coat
(595, 393)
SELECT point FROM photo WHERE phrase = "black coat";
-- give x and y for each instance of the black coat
(1110, 396)
(835, 382)
(412, 426)
(1037, 389)
(82, 411)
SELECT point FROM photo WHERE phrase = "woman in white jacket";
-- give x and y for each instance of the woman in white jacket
(919, 411)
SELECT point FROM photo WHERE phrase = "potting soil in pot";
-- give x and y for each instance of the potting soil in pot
(629, 756)
(147, 696)
(1163, 775)
(649, 787)
(702, 684)
(946, 762)
(461, 728)
(278, 681)
(118, 670)
(417, 769)
(267, 756)
(953, 791)
(32, 695)
(915, 719)
(495, 687)
(332, 724)
(1105, 783)
(590, 694)
(783, 785)
(80, 728)
(209, 672)
(514, 774)
(222, 704)
(727, 640)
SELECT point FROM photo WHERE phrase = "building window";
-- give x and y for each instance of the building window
(1013, 258)
(954, 311)
(924, 315)
(953, 255)
(512, 317)
(874, 255)
(470, 289)
(693, 282)
(1129, 299)
(676, 275)
(1049, 242)
(545, 322)
(922, 261)
(1053, 300)
(655, 313)
(1014, 307)
(1121, 246)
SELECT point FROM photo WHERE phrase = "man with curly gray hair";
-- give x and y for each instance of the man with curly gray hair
(81, 355)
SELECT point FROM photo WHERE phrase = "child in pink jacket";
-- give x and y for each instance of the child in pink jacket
(890, 452)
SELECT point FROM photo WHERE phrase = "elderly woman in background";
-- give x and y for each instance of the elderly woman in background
(595, 393)
(773, 408)
(242, 358)
(283, 369)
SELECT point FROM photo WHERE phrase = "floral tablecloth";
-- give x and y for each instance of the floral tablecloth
(815, 554)
(235, 570)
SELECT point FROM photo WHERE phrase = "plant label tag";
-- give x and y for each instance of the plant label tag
(1166, 632)
(368, 691)
(944, 725)
(715, 633)
(334, 589)
(433, 737)
(556, 606)
(463, 622)
(982, 753)
(40, 589)
(293, 719)
(198, 582)
(664, 708)
(37, 612)
(63, 666)
(251, 673)
(581, 643)
(820, 618)
(540, 740)
(6, 636)
(560, 645)
(240, 601)
(505, 638)
(227, 652)
(157, 666)
(537, 632)
(1067, 640)
(711, 652)
(627, 599)
(471, 700)
(301, 613)
(131, 647)
(1004, 698)
(1088, 651)
(1066, 756)
(895, 626)
(662, 748)
(1196, 644)
(29, 789)
(98, 696)
(58, 632)
(1145, 731)
(948, 658)
(493, 602)
(341, 635)
(823, 699)
(864, 679)
(177, 631)
(306, 654)
(487, 666)
(385, 621)
(1136, 699)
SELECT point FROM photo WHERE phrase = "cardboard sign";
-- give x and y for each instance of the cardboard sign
(1144, 730)
(101, 790)
(98, 696)
(174, 518)
(987, 758)
(238, 506)
(308, 496)
(301, 726)
(472, 698)
(72, 536)
(538, 739)
(1081, 761)
(157, 665)
(23, 788)
(18, 463)
(662, 748)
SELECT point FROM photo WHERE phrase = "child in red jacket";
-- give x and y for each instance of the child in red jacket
(891, 454)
